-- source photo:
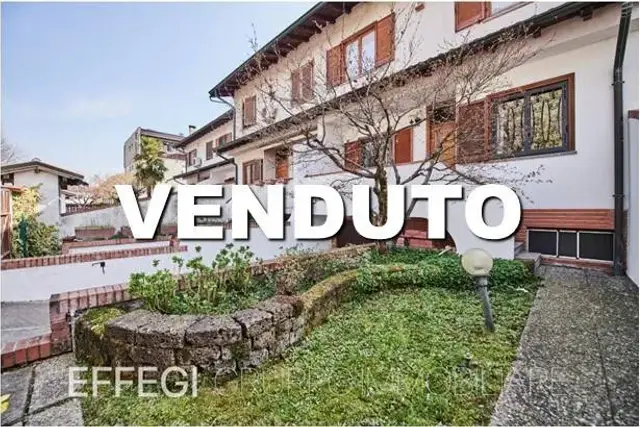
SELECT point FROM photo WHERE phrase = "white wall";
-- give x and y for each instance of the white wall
(631, 197)
(49, 206)
(39, 283)
(113, 216)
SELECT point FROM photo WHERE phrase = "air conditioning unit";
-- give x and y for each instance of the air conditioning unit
(197, 162)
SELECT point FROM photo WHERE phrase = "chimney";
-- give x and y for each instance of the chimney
(192, 128)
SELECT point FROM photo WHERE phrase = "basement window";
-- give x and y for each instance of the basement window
(587, 245)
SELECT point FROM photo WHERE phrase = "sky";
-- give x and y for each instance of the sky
(79, 78)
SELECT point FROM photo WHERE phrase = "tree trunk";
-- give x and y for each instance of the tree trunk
(381, 189)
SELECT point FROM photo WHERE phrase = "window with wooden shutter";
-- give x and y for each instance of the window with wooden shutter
(296, 86)
(385, 40)
(469, 13)
(335, 68)
(352, 155)
(252, 172)
(282, 164)
(402, 146)
(209, 150)
(249, 111)
(302, 84)
(307, 81)
(471, 133)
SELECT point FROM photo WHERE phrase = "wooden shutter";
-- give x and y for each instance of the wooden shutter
(307, 81)
(402, 146)
(352, 151)
(335, 71)
(282, 164)
(468, 13)
(471, 135)
(385, 39)
(295, 85)
(258, 171)
(209, 150)
(249, 111)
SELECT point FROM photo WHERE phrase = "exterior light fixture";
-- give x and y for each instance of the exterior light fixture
(478, 263)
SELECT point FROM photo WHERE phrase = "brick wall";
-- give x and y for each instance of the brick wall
(569, 219)
(66, 246)
(89, 257)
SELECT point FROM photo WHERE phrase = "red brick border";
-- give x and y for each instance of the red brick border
(62, 305)
(604, 266)
(12, 264)
(66, 246)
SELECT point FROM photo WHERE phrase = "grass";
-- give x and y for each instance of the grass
(417, 356)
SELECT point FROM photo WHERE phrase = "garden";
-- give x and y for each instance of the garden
(354, 336)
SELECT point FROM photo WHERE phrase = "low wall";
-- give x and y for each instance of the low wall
(221, 345)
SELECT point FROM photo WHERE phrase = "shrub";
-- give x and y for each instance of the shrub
(32, 238)
(412, 267)
(225, 285)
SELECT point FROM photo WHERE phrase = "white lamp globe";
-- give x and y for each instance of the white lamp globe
(477, 262)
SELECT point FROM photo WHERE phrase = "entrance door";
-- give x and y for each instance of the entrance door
(443, 131)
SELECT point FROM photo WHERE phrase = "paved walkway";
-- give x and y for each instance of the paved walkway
(39, 394)
(578, 357)
(24, 320)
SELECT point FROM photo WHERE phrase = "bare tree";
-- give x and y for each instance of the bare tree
(348, 112)
(9, 152)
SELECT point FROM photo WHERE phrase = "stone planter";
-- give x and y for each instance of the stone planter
(222, 346)
(94, 233)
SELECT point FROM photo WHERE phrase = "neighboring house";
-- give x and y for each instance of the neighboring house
(173, 158)
(203, 164)
(569, 218)
(52, 182)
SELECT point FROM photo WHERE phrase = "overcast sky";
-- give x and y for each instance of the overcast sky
(77, 79)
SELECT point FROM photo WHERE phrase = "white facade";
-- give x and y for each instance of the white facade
(51, 202)
(583, 47)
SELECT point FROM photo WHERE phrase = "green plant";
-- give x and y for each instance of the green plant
(157, 290)
(25, 204)
(32, 238)
(149, 164)
(223, 286)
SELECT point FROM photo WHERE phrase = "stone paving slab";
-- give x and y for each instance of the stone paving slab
(578, 358)
(68, 413)
(16, 384)
(51, 381)
(21, 320)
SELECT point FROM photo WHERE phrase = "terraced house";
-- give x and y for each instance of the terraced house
(538, 96)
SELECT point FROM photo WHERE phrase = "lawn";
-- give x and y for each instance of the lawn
(413, 356)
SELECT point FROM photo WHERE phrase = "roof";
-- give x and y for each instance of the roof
(213, 124)
(36, 164)
(205, 168)
(531, 25)
(294, 35)
(158, 134)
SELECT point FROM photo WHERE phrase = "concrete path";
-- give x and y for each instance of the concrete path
(39, 394)
(24, 320)
(578, 357)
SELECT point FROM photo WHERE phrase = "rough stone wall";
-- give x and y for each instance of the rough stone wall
(223, 346)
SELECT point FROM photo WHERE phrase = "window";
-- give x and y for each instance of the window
(223, 139)
(249, 111)
(361, 53)
(209, 150)
(191, 157)
(472, 12)
(359, 153)
(590, 245)
(533, 120)
(302, 84)
(252, 172)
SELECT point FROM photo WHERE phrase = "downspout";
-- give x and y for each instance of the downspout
(233, 134)
(618, 142)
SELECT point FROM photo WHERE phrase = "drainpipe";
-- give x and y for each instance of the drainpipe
(618, 142)
(233, 133)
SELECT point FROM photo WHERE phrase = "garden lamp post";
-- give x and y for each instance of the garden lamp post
(478, 263)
